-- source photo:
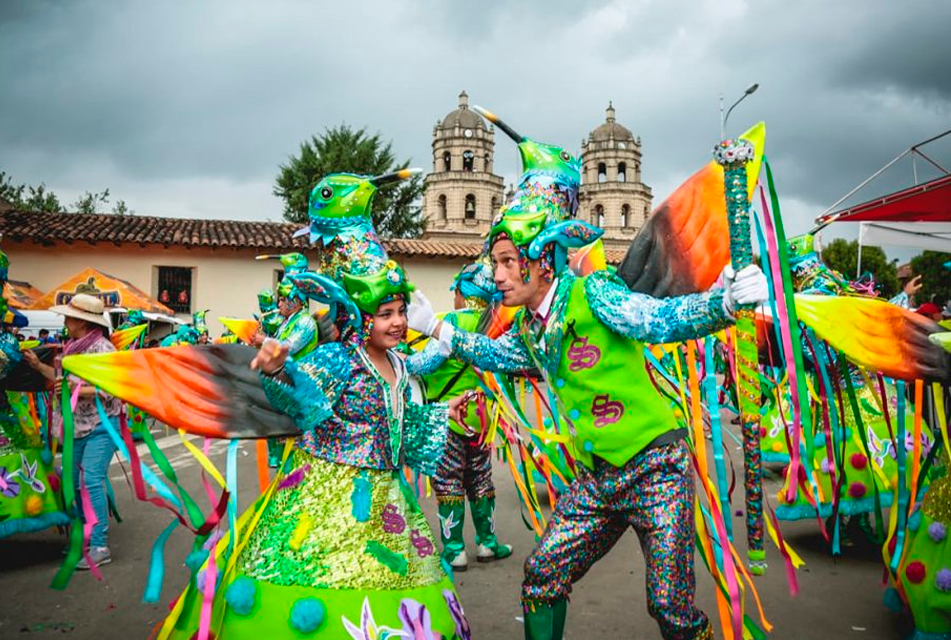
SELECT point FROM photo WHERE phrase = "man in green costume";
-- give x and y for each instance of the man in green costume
(587, 335)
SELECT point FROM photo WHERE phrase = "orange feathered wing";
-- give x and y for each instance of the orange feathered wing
(877, 335)
(207, 390)
(123, 338)
(686, 241)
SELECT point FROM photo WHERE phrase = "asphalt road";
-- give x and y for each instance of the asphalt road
(839, 598)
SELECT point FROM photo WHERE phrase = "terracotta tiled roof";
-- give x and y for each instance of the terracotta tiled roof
(47, 228)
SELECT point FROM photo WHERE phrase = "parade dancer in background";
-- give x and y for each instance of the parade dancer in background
(297, 329)
(30, 498)
(466, 467)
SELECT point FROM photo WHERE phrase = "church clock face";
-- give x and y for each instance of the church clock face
(467, 133)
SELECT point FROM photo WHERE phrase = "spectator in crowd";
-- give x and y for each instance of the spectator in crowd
(93, 448)
(906, 299)
(930, 310)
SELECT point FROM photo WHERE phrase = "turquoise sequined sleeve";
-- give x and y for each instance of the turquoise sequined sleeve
(427, 361)
(315, 384)
(424, 435)
(506, 353)
(653, 320)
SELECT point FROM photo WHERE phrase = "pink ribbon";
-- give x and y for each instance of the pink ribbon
(90, 521)
(785, 332)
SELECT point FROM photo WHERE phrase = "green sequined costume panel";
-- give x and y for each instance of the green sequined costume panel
(342, 527)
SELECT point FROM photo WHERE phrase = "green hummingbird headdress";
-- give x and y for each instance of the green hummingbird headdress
(294, 263)
(198, 321)
(340, 204)
(542, 209)
(354, 269)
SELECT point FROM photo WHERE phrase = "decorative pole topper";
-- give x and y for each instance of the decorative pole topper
(733, 155)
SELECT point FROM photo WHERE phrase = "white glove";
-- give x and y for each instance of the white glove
(746, 287)
(420, 315)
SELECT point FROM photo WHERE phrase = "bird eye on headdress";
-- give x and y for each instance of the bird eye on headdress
(565, 156)
(326, 193)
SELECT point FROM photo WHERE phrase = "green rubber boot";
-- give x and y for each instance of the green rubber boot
(545, 620)
(483, 517)
(275, 447)
(452, 515)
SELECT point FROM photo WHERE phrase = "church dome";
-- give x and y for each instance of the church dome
(611, 129)
(462, 116)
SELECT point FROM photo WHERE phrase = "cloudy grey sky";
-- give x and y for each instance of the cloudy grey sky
(186, 108)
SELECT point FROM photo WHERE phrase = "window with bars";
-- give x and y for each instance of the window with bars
(175, 288)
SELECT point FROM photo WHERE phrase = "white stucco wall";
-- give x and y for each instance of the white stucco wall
(225, 281)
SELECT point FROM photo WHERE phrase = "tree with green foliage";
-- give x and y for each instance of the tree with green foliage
(396, 211)
(842, 255)
(28, 197)
(91, 202)
(120, 208)
(935, 277)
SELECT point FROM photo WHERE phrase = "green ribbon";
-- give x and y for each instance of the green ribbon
(863, 436)
(61, 579)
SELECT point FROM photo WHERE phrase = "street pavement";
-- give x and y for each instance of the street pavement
(839, 598)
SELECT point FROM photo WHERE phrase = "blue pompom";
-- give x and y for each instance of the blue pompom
(892, 600)
(195, 559)
(46, 456)
(914, 521)
(307, 615)
(240, 595)
(819, 440)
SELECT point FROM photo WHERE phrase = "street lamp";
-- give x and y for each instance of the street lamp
(750, 90)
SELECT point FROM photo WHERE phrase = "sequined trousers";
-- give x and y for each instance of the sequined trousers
(465, 469)
(653, 493)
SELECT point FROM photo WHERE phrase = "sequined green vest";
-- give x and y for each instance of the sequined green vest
(289, 329)
(437, 382)
(600, 381)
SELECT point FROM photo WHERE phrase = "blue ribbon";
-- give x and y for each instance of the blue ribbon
(153, 587)
(716, 436)
(902, 502)
(147, 474)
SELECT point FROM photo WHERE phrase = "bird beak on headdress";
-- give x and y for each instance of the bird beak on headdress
(494, 119)
(273, 256)
(386, 178)
(570, 234)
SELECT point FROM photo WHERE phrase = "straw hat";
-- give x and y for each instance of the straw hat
(84, 307)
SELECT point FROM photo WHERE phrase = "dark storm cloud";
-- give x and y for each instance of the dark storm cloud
(178, 104)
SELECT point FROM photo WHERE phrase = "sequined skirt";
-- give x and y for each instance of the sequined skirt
(337, 552)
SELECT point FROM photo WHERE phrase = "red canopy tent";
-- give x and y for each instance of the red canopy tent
(928, 202)
(918, 216)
